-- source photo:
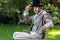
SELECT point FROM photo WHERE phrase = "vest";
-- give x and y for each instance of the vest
(36, 21)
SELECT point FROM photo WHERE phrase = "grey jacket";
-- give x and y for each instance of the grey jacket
(38, 22)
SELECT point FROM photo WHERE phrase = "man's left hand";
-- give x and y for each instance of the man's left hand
(44, 29)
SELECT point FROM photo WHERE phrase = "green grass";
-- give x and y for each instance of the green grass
(54, 33)
(6, 31)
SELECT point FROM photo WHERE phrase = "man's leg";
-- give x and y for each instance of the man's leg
(19, 35)
(24, 36)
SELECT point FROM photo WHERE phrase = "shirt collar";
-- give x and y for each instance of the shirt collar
(40, 12)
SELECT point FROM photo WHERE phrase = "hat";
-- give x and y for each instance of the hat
(36, 3)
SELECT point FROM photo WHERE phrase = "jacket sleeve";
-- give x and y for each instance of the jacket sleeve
(48, 20)
(26, 17)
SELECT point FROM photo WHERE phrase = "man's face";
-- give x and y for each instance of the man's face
(36, 9)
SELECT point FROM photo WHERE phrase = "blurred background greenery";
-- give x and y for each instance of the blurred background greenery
(11, 10)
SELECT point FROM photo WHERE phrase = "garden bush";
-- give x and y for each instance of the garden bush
(11, 11)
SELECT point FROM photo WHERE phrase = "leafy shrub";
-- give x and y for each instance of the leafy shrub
(54, 11)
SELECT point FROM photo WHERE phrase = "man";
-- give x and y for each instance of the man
(40, 22)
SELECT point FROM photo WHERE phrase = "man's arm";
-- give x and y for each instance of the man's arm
(48, 20)
(26, 17)
(25, 14)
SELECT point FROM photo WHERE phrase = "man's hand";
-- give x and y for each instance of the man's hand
(27, 8)
(44, 29)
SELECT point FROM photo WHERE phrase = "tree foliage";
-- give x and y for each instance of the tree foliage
(53, 10)
(11, 10)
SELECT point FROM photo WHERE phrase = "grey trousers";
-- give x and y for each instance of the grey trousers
(25, 36)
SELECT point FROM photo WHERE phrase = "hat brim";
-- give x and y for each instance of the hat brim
(37, 5)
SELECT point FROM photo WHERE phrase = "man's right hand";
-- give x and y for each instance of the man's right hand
(27, 8)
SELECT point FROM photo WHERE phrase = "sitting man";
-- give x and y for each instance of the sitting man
(40, 22)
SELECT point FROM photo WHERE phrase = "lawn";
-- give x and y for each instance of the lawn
(6, 31)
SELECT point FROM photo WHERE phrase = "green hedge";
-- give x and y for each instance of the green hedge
(11, 10)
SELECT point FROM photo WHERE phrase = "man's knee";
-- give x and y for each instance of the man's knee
(14, 34)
